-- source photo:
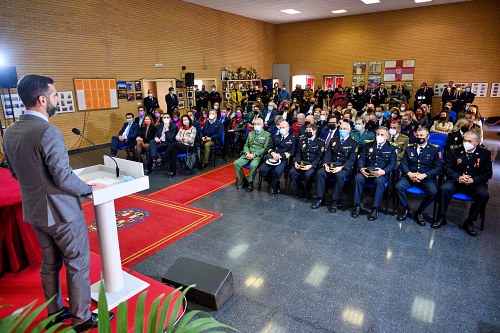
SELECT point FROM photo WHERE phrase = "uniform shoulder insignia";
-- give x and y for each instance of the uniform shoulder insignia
(455, 146)
(369, 141)
(481, 145)
(354, 139)
(320, 139)
(394, 144)
(404, 135)
(302, 136)
(434, 145)
(411, 145)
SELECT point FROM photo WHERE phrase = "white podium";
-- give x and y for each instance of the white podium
(119, 285)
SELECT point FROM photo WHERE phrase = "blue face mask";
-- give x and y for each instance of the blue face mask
(283, 131)
(343, 133)
(270, 108)
(378, 114)
(358, 127)
(394, 116)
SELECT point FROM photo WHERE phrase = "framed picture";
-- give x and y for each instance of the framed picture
(495, 89)
(359, 68)
(374, 79)
(358, 80)
(439, 88)
(121, 85)
(138, 96)
(130, 86)
(138, 86)
(179, 84)
(181, 105)
(180, 94)
(375, 68)
(190, 94)
(122, 94)
(190, 103)
(130, 97)
(480, 89)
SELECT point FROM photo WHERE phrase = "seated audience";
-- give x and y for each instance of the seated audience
(421, 119)
(176, 118)
(236, 133)
(443, 125)
(269, 114)
(300, 123)
(340, 157)
(408, 127)
(330, 131)
(421, 164)
(184, 143)
(400, 140)
(361, 135)
(377, 161)
(254, 148)
(468, 169)
(211, 136)
(157, 116)
(127, 135)
(146, 133)
(309, 152)
(165, 135)
(455, 139)
(282, 147)
(140, 115)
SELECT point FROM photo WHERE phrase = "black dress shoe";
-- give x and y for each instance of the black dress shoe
(300, 194)
(250, 187)
(170, 174)
(439, 223)
(419, 218)
(333, 208)
(373, 214)
(149, 171)
(203, 165)
(318, 203)
(469, 228)
(404, 215)
(62, 316)
(243, 184)
(91, 323)
(355, 212)
(272, 192)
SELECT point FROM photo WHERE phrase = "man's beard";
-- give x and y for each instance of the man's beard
(51, 109)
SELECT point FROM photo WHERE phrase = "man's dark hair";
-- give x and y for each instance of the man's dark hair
(129, 114)
(33, 86)
(140, 107)
(171, 88)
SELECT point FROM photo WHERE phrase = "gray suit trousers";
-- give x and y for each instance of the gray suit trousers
(66, 243)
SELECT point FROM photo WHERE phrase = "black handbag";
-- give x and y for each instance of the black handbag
(190, 159)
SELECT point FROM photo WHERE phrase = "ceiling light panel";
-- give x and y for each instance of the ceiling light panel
(290, 11)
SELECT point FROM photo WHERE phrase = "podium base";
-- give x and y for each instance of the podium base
(131, 286)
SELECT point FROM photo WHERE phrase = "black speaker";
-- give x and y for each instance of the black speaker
(189, 77)
(8, 77)
(214, 285)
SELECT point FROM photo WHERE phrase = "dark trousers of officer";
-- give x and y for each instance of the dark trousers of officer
(426, 185)
(117, 144)
(378, 182)
(154, 149)
(298, 176)
(477, 191)
(274, 171)
(321, 177)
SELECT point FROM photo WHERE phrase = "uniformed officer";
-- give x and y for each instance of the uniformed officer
(338, 162)
(468, 169)
(420, 165)
(378, 159)
(408, 127)
(361, 135)
(310, 150)
(255, 146)
(455, 139)
(399, 139)
(283, 146)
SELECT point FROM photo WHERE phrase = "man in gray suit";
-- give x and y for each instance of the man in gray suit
(36, 155)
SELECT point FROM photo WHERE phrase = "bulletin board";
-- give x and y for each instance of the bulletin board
(96, 94)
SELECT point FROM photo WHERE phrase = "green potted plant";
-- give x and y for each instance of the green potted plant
(22, 319)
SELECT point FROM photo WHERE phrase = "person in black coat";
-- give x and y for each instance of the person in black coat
(468, 169)
(423, 96)
(171, 100)
(455, 139)
(150, 103)
(165, 135)
(146, 134)
(126, 136)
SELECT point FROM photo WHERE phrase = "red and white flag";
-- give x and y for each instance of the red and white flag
(399, 70)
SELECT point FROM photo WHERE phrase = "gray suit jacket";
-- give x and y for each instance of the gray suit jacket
(36, 154)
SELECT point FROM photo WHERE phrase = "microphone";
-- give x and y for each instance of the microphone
(77, 132)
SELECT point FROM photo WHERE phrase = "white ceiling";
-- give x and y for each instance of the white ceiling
(269, 10)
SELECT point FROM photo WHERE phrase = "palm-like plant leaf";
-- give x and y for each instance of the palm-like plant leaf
(102, 311)
(139, 313)
(153, 314)
(122, 325)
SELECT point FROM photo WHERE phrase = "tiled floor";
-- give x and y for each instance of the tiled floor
(299, 270)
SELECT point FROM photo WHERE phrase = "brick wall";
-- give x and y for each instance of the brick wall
(456, 42)
(123, 40)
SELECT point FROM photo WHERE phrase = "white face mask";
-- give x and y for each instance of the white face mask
(257, 128)
(150, 95)
(392, 131)
(166, 121)
(211, 117)
(186, 122)
(322, 118)
(468, 146)
(402, 108)
(380, 139)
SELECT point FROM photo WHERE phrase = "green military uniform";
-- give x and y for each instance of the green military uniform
(402, 141)
(256, 143)
(362, 138)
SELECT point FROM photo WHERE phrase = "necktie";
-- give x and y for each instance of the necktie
(393, 138)
(125, 133)
(342, 140)
(327, 142)
(379, 147)
(162, 137)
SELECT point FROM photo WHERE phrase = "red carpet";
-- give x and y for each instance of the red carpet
(19, 289)
(199, 186)
(146, 225)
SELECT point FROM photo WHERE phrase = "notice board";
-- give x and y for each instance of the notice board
(96, 94)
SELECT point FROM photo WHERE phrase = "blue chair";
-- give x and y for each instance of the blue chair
(129, 151)
(468, 199)
(437, 137)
